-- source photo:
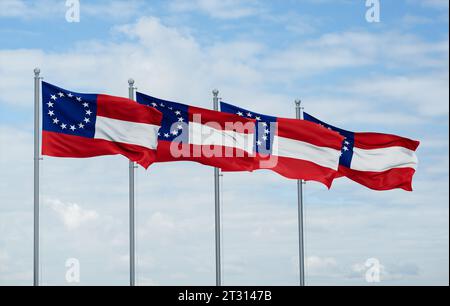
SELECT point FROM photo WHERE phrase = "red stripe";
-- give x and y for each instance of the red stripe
(244, 163)
(370, 141)
(398, 178)
(309, 132)
(127, 110)
(223, 121)
(300, 170)
(61, 145)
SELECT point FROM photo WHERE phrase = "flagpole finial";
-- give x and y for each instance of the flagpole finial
(37, 71)
(131, 82)
(215, 92)
(298, 103)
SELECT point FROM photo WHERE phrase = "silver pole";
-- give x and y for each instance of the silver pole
(301, 249)
(131, 90)
(217, 206)
(37, 79)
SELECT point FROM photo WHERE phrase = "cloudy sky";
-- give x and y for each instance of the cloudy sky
(389, 77)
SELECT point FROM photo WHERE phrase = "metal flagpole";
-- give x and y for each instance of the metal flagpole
(301, 250)
(131, 90)
(217, 205)
(37, 94)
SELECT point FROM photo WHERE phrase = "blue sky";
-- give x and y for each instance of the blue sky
(389, 77)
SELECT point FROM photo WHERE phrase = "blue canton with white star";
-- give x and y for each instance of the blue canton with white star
(265, 127)
(349, 141)
(175, 121)
(68, 112)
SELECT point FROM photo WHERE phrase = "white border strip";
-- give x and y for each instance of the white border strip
(203, 135)
(379, 160)
(141, 134)
(291, 148)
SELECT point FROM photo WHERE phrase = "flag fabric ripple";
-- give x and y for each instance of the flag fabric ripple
(293, 148)
(204, 136)
(79, 125)
(377, 161)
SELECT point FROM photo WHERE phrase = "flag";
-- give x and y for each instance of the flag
(293, 148)
(79, 125)
(200, 135)
(377, 161)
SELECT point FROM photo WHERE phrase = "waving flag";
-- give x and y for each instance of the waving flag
(377, 161)
(87, 125)
(293, 148)
(208, 137)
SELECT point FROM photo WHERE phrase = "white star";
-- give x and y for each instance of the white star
(264, 124)
(249, 115)
(60, 94)
(170, 108)
(55, 121)
(174, 133)
(259, 143)
(85, 104)
(258, 118)
(166, 135)
(345, 149)
(154, 104)
(347, 143)
(53, 97)
(63, 126)
(87, 120)
(159, 134)
(88, 112)
(81, 126)
(162, 105)
(78, 99)
(69, 95)
(240, 114)
(73, 128)
(266, 131)
(50, 104)
(265, 138)
(180, 119)
(180, 127)
(177, 113)
(51, 113)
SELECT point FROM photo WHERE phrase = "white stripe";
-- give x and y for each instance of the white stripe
(291, 148)
(141, 134)
(380, 160)
(200, 134)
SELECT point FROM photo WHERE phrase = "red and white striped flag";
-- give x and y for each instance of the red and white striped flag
(295, 149)
(377, 161)
(87, 125)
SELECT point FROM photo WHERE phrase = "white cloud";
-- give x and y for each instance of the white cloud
(358, 50)
(318, 265)
(222, 9)
(394, 272)
(72, 215)
(429, 94)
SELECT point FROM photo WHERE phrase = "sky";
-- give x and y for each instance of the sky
(390, 76)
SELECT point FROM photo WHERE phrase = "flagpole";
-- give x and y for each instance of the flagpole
(301, 249)
(217, 205)
(37, 79)
(131, 91)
